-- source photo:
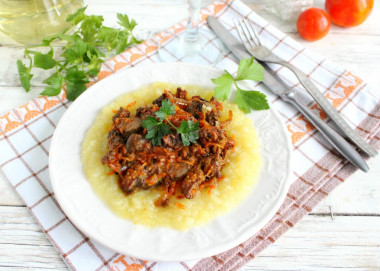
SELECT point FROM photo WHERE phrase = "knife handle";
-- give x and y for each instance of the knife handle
(339, 143)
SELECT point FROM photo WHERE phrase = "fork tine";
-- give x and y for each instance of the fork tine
(249, 38)
(251, 29)
(239, 29)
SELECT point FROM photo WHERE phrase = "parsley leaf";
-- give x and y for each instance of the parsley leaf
(188, 131)
(46, 41)
(75, 82)
(44, 61)
(90, 27)
(250, 70)
(124, 21)
(24, 74)
(82, 54)
(245, 99)
(75, 53)
(54, 85)
(149, 122)
(224, 82)
(77, 17)
(157, 129)
(167, 108)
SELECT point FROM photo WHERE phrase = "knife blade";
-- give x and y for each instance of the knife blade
(277, 86)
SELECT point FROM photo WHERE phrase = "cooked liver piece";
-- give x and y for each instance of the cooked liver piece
(135, 143)
(128, 126)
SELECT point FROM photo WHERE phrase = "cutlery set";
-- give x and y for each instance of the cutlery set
(251, 45)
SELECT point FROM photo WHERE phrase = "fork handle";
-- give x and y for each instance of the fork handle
(341, 124)
(335, 139)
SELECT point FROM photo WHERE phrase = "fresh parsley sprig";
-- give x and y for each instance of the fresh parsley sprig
(82, 55)
(245, 99)
(157, 129)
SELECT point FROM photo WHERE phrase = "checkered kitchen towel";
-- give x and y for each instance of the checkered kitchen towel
(26, 132)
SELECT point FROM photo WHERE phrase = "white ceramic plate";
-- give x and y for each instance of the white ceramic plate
(92, 216)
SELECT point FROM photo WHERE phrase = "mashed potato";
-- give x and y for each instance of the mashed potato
(240, 173)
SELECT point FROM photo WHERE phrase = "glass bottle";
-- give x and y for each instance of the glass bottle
(28, 21)
(288, 10)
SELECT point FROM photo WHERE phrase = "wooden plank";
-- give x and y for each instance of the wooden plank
(317, 241)
(8, 195)
(23, 244)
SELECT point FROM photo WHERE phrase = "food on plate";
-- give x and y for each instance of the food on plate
(178, 144)
(313, 24)
(240, 154)
(348, 12)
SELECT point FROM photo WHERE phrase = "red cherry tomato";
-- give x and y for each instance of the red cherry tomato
(313, 24)
(348, 12)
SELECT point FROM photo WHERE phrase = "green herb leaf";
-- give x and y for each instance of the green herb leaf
(77, 17)
(224, 82)
(46, 41)
(150, 121)
(156, 130)
(166, 109)
(83, 53)
(94, 65)
(24, 75)
(125, 22)
(250, 70)
(44, 61)
(75, 53)
(108, 36)
(189, 132)
(122, 44)
(54, 85)
(75, 82)
(90, 27)
(247, 100)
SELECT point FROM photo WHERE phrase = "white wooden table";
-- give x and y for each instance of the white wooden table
(349, 241)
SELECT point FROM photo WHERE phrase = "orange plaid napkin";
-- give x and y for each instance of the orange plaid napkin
(26, 132)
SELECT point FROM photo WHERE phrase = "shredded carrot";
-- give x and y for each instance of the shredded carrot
(179, 205)
(115, 111)
(210, 188)
(221, 178)
(111, 172)
(131, 104)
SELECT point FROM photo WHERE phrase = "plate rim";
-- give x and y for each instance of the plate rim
(210, 252)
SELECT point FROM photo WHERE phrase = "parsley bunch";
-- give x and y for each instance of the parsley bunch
(157, 129)
(245, 99)
(82, 54)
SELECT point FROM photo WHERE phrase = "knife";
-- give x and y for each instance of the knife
(278, 87)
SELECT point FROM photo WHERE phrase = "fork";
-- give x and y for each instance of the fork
(252, 42)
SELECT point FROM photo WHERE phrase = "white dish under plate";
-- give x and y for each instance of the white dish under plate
(92, 216)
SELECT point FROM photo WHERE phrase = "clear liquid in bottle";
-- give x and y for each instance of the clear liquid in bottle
(29, 21)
